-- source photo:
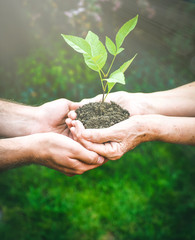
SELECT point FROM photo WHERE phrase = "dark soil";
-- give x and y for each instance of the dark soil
(101, 115)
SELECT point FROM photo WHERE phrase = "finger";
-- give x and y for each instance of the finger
(110, 150)
(74, 105)
(100, 135)
(82, 167)
(79, 128)
(69, 122)
(100, 149)
(72, 130)
(96, 147)
(82, 154)
(98, 98)
(72, 115)
(76, 131)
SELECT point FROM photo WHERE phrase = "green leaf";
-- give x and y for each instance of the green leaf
(97, 59)
(91, 62)
(124, 67)
(110, 86)
(125, 30)
(110, 46)
(116, 77)
(120, 50)
(78, 44)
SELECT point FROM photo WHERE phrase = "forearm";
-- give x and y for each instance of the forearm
(176, 102)
(16, 119)
(15, 152)
(180, 130)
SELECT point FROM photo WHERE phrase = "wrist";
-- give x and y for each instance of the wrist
(39, 124)
(38, 147)
(15, 152)
(16, 119)
(150, 127)
(143, 103)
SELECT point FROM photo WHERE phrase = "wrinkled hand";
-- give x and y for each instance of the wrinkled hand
(52, 115)
(62, 154)
(133, 102)
(114, 141)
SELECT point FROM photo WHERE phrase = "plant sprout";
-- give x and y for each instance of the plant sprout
(95, 54)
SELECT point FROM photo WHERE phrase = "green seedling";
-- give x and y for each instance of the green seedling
(95, 54)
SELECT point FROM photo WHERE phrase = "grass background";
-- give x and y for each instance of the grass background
(147, 194)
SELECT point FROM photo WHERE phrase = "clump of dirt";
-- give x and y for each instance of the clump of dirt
(101, 115)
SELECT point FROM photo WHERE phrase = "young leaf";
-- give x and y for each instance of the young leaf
(92, 62)
(110, 46)
(120, 50)
(116, 77)
(124, 67)
(125, 30)
(110, 86)
(78, 44)
(97, 59)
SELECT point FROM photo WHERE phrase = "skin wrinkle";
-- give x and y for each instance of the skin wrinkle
(28, 138)
(168, 116)
(142, 128)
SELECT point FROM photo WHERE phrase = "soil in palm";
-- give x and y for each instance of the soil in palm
(101, 115)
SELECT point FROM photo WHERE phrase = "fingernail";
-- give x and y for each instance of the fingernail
(100, 160)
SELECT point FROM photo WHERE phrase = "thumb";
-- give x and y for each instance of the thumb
(99, 135)
(98, 98)
(74, 105)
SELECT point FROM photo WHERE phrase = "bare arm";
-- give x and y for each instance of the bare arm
(179, 101)
(16, 119)
(113, 142)
(49, 149)
(167, 116)
(175, 102)
(20, 120)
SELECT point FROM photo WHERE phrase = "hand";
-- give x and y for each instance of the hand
(62, 154)
(114, 141)
(52, 116)
(135, 103)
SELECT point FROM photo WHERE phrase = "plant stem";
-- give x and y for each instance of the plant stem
(103, 88)
(110, 66)
(103, 93)
(103, 72)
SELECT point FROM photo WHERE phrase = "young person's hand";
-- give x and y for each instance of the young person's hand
(21, 120)
(51, 116)
(49, 149)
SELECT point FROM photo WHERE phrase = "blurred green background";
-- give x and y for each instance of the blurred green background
(147, 194)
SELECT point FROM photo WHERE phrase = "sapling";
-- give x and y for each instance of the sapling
(95, 54)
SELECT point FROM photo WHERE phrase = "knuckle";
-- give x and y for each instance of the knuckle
(99, 135)
(75, 165)
(78, 135)
(91, 160)
(79, 172)
(115, 152)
